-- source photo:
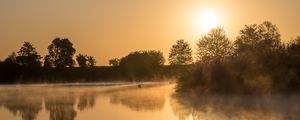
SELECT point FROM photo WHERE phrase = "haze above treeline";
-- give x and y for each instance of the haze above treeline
(108, 29)
(257, 62)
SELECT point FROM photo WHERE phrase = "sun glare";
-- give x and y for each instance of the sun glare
(208, 19)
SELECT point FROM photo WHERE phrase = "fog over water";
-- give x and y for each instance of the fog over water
(127, 101)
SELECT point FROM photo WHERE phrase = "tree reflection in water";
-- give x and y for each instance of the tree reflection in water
(66, 103)
(61, 108)
(63, 103)
(27, 102)
(141, 99)
(242, 107)
(27, 108)
(86, 101)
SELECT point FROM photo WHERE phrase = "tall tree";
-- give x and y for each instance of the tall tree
(81, 60)
(48, 62)
(180, 53)
(28, 56)
(294, 47)
(91, 62)
(214, 46)
(271, 38)
(258, 38)
(11, 59)
(61, 52)
(142, 63)
(85, 61)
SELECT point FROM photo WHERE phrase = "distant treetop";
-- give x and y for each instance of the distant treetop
(180, 53)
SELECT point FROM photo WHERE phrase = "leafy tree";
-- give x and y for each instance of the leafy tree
(114, 62)
(293, 49)
(48, 61)
(270, 36)
(81, 60)
(85, 61)
(294, 46)
(28, 56)
(214, 46)
(248, 39)
(91, 62)
(180, 53)
(257, 38)
(61, 53)
(11, 59)
(256, 45)
(142, 63)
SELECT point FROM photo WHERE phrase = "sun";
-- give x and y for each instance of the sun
(207, 20)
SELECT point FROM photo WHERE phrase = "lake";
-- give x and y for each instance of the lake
(127, 101)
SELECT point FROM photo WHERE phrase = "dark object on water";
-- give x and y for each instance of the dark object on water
(139, 85)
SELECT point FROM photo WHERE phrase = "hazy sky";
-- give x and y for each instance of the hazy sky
(107, 29)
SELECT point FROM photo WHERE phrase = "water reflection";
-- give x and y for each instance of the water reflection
(214, 107)
(64, 103)
(153, 101)
(146, 99)
(86, 101)
(61, 108)
(27, 108)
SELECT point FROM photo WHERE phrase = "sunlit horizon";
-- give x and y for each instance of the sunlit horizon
(149, 59)
(207, 20)
(107, 29)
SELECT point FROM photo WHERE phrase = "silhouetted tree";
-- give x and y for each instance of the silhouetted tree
(294, 47)
(28, 56)
(85, 61)
(11, 59)
(255, 46)
(142, 63)
(61, 53)
(48, 61)
(81, 60)
(214, 46)
(255, 39)
(259, 63)
(270, 36)
(114, 62)
(91, 62)
(180, 53)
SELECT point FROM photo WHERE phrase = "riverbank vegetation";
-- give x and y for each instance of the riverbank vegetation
(27, 66)
(258, 61)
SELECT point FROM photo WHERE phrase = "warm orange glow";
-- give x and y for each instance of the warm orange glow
(109, 29)
(207, 20)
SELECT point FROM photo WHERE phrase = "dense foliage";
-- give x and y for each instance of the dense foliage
(258, 63)
(180, 53)
(61, 53)
(141, 64)
(85, 61)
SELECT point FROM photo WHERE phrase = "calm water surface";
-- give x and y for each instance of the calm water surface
(153, 101)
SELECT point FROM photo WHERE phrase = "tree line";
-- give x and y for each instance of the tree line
(27, 66)
(256, 62)
(60, 55)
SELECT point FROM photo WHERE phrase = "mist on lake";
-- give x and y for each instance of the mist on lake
(128, 101)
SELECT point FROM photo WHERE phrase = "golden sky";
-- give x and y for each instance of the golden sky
(107, 29)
